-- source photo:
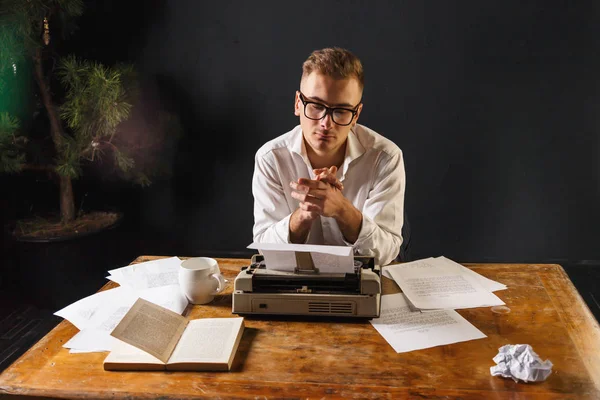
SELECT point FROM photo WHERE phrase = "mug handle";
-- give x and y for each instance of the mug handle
(220, 282)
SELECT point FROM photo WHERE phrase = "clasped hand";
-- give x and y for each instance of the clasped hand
(321, 196)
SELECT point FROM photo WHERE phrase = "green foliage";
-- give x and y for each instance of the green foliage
(94, 124)
(97, 105)
(21, 22)
(124, 162)
(11, 157)
(68, 160)
(21, 33)
(98, 99)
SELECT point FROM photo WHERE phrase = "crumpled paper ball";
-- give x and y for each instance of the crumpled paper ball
(520, 362)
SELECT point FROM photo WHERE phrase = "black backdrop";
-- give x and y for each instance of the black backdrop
(493, 103)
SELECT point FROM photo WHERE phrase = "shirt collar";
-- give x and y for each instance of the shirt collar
(298, 146)
(354, 148)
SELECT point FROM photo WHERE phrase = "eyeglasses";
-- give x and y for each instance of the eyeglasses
(317, 111)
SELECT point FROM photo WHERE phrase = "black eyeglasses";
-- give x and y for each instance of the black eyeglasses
(317, 111)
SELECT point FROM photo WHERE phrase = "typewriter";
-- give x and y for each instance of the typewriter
(259, 289)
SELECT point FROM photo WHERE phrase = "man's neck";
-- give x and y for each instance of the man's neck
(326, 160)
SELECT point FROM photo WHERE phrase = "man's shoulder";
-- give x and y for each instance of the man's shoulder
(372, 140)
(281, 142)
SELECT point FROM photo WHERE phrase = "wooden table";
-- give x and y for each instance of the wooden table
(291, 358)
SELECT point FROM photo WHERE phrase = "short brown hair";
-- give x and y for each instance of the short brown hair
(335, 62)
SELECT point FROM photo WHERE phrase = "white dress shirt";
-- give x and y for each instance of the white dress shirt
(374, 181)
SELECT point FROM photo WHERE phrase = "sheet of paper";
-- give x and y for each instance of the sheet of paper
(385, 269)
(148, 274)
(407, 331)
(80, 312)
(90, 341)
(316, 248)
(433, 284)
(486, 283)
(96, 335)
(328, 259)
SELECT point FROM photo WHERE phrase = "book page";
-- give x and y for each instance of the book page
(131, 358)
(151, 328)
(208, 340)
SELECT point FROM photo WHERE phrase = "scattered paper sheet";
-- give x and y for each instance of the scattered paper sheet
(328, 259)
(386, 269)
(96, 336)
(519, 361)
(432, 284)
(149, 274)
(406, 331)
(486, 283)
(95, 333)
(80, 312)
(96, 315)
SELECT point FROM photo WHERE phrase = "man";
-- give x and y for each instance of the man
(330, 180)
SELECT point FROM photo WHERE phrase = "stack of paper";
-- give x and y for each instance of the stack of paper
(439, 283)
(97, 315)
(438, 286)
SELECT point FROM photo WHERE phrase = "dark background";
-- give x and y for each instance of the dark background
(493, 103)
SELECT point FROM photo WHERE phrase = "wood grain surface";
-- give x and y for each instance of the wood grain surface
(286, 357)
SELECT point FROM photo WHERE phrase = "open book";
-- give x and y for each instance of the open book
(154, 338)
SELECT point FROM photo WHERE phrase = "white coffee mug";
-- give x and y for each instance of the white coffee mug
(200, 279)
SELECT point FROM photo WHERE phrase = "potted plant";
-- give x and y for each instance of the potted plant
(86, 106)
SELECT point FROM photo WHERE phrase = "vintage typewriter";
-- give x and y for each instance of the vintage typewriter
(306, 291)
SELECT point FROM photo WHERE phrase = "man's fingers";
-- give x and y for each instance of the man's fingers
(305, 197)
(310, 207)
(308, 202)
(332, 180)
(306, 185)
(328, 175)
(299, 187)
(331, 170)
(309, 183)
(298, 196)
(337, 184)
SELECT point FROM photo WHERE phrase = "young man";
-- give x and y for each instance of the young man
(330, 180)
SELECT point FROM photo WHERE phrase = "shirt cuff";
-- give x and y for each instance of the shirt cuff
(367, 229)
(282, 229)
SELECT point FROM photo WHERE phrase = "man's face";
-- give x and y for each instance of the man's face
(325, 137)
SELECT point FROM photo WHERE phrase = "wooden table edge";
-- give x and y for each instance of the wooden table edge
(8, 390)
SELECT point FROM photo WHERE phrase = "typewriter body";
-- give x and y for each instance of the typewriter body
(259, 289)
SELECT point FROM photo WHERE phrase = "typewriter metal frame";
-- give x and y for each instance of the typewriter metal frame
(260, 290)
